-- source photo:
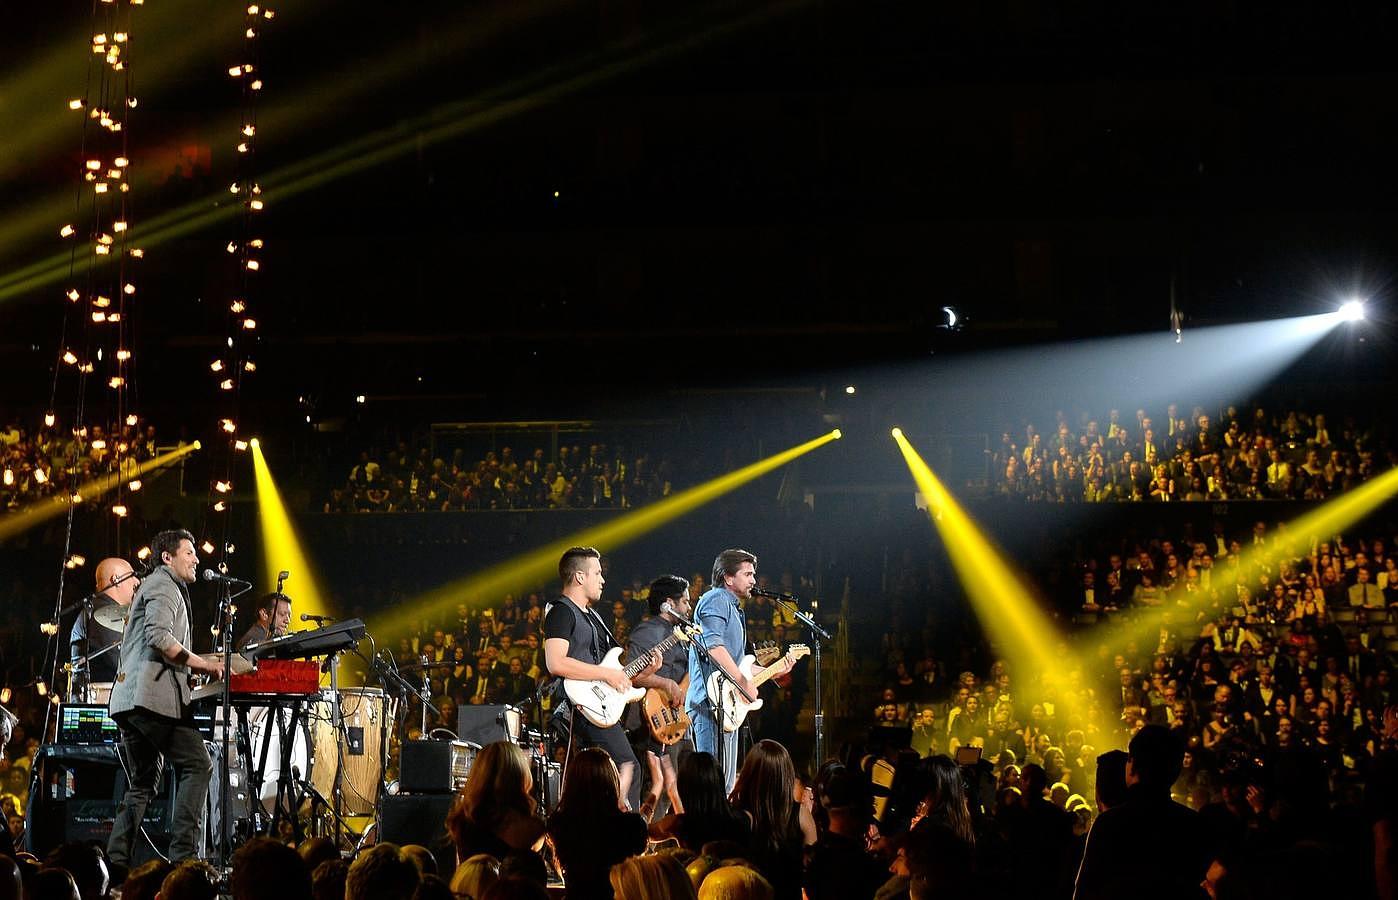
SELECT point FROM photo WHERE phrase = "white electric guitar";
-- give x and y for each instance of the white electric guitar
(732, 706)
(599, 702)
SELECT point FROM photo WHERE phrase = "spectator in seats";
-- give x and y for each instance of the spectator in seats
(381, 873)
(735, 881)
(195, 879)
(52, 884)
(707, 816)
(143, 882)
(495, 812)
(590, 830)
(1148, 818)
(86, 863)
(264, 869)
(839, 866)
(328, 880)
(516, 889)
(1364, 592)
(317, 850)
(658, 877)
(475, 876)
(782, 827)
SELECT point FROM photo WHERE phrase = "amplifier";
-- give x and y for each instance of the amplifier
(435, 767)
(487, 723)
(420, 819)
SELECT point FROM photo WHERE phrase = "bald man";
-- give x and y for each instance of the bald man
(116, 586)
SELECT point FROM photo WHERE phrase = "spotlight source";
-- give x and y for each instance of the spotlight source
(1352, 311)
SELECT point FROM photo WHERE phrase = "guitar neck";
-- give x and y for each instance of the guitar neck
(765, 674)
(636, 665)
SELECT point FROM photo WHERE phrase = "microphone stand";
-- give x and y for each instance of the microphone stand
(817, 635)
(226, 611)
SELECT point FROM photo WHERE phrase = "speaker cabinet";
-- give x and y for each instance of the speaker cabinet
(414, 818)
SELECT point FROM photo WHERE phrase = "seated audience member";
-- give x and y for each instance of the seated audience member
(735, 882)
(940, 863)
(86, 864)
(328, 880)
(51, 884)
(590, 830)
(525, 864)
(516, 888)
(316, 851)
(840, 866)
(475, 876)
(495, 812)
(422, 858)
(651, 878)
(433, 888)
(707, 816)
(192, 879)
(11, 884)
(1148, 818)
(143, 882)
(264, 869)
(381, 873)
(781, 827)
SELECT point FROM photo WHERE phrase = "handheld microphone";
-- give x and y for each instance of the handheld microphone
(775, 595)
(211, 575)
(312, 617)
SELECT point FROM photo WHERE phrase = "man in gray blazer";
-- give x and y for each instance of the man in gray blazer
(150, 702)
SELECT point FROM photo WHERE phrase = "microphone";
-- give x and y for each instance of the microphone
(282, 578)
(312, 617)
(775, 595)
(211, 575)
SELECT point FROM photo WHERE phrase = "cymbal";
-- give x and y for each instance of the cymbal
(112, 616)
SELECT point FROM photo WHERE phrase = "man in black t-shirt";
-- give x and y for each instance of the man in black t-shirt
(668, 603)
(575, 641)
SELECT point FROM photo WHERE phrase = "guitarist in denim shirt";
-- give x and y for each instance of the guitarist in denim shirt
(668, 601)
(724, 634)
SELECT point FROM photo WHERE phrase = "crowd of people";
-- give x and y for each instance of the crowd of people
(1267, 657)
(411, 479)
(39, 463)
(1253, 454)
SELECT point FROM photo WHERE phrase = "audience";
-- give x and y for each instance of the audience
(659, 877)
(782, 826)
(590, 830)
(495, 812)
(382, 873)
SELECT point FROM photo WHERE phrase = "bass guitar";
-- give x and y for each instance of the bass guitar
(599, 702)
(733, 708)
(667, 723)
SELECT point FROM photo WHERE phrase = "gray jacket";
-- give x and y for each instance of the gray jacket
(159, 617)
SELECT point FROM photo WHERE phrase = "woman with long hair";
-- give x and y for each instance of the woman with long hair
(707, 816)
(781, 827)
(946, 802)
(659, 877)
(590, 830)
(495, 812)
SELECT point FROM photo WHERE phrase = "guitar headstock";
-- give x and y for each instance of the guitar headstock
(766, 652)
(796, 651)
(688, 633)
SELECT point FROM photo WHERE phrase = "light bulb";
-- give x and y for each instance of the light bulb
(134, 485)
(119, 511)
(66, 231)
(75, 104)
(48, 420)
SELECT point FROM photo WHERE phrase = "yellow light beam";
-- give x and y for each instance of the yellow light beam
(1004, 602)
(1321, 523)
(403, 138)
(281, 548)
(542, 564)
(89, 491)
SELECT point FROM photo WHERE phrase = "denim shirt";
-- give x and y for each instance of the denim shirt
(723, 624)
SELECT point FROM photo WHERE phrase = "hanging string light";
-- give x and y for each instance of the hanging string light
(244, 253)
(100, 284)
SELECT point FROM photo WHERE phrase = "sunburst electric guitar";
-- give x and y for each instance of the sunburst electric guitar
(732, 706)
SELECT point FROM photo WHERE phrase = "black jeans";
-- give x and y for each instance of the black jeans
(148, 741)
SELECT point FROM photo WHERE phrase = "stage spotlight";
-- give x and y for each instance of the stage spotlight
(951, 319)
(849, 389)
(1352, 311)
(896, 432)
(281, 542)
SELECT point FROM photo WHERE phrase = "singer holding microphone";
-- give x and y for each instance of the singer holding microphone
(150, 703)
